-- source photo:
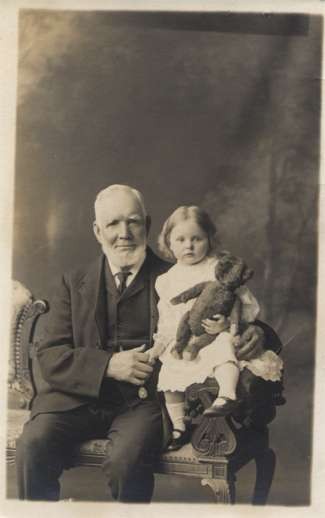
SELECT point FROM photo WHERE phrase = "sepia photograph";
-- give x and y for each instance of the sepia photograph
(165, 256)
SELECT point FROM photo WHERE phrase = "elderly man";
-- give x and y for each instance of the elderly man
(93, 373)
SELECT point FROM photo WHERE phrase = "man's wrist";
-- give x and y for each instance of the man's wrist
(108, 372)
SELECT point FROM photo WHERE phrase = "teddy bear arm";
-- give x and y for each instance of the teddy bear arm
(191, 293)
(183, 333)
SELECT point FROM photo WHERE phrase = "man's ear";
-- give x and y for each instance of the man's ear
(148, 224)
(97, 232)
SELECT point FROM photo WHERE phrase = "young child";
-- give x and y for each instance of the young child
(189, 238)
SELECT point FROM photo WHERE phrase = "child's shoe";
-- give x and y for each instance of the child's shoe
(182, 438)
(220, 407)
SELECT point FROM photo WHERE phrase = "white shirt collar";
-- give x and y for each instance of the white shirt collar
(133, 270)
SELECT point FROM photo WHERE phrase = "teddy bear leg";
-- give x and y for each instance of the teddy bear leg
(183, 334)
(196, 344)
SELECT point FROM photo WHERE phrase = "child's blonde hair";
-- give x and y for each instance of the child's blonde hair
(183, 213)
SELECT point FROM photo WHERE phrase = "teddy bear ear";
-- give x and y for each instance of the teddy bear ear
(223, 253)
(247, 274)
(224, 256)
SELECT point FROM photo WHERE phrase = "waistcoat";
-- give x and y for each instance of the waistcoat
(128, 315)
(128, 326)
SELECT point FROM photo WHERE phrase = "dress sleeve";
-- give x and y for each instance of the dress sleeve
(250, 306)
(166, 328)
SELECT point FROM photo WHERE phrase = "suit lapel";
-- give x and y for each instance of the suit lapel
(110, 282)
(93, 291)
(137, 284)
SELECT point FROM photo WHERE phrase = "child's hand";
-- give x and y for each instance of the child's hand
(153, 355)
(236, 340)
(215, 326)
(175, 353)
(158, 348)
(189, 355)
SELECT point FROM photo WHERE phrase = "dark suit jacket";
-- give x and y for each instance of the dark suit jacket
(72, 358)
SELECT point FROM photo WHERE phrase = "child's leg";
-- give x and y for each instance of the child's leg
(227, 375)
(175, 403)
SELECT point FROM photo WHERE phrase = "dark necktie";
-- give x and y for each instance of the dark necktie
(122, 276)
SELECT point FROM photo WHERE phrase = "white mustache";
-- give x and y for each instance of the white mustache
(130, 256)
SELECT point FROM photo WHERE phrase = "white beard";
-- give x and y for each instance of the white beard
(125, 258)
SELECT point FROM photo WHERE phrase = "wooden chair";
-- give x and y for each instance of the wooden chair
(219, 446)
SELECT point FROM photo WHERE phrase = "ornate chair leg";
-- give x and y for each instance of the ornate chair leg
(265, 466)
(223, 490)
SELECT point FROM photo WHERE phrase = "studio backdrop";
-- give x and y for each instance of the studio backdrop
(216, 109)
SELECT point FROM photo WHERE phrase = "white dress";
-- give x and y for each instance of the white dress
(178, 374)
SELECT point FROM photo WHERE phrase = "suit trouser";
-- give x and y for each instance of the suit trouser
(134, 440)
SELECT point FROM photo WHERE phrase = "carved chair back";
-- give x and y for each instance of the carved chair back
(24, 317)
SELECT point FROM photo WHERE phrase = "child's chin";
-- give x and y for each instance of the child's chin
(190, 259)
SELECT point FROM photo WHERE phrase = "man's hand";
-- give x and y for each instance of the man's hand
(131, 366)
(251, 343)
(215, 326)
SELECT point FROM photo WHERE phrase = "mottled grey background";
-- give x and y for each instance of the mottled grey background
(220, 110)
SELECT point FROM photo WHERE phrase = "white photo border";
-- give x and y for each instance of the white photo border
(8, 53)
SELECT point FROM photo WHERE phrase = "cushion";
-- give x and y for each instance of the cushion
(94, 447)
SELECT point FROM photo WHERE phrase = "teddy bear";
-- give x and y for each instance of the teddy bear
(212, 298)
